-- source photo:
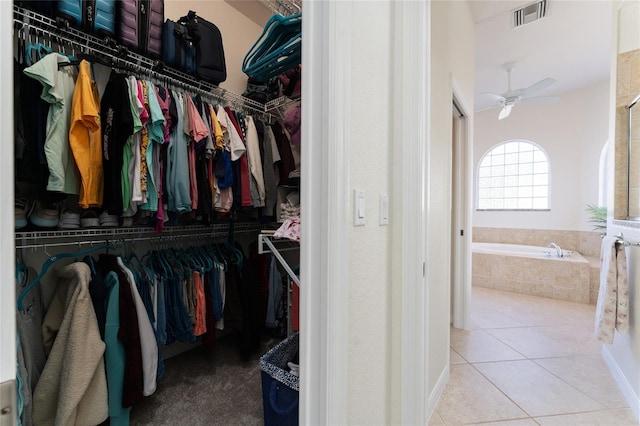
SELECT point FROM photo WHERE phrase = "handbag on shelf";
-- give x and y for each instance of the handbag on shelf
(210, 61)
(178, 47)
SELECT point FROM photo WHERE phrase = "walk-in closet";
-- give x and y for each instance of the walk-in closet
(157, 211)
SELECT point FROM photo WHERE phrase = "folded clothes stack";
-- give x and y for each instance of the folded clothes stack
(291, 206)
(289, 229)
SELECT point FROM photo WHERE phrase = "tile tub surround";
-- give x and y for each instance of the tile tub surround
(564, 279)
(587, 243)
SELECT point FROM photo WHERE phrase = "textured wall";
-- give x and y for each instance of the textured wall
(452, 44)
(369, 282)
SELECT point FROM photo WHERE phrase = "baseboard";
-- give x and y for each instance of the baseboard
(438, 389)
(625, 386)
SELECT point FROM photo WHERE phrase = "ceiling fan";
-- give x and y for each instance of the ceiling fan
(511, 97)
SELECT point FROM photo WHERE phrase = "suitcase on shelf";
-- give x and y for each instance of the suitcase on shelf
(210, 62)
(178, 48)
(43, 7)
(139, 25)
(91, 16)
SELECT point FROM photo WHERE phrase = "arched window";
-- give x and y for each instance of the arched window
(513, 176)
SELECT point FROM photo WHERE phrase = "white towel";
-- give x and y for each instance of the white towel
(612, 309)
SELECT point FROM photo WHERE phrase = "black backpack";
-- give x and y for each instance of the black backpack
(210, 63)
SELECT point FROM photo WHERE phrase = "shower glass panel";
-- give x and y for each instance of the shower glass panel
(634, 159)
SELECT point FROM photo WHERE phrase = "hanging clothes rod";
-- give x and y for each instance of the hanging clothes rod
(30, 25)
(39, 239)
(113, 239)
(137, 231)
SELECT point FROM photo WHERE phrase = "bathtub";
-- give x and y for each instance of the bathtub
(532, 270)
(518, 250)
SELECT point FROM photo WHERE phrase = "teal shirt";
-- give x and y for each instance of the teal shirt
(156, 136)
(114, 354)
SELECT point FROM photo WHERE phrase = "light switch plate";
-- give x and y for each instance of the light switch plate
(358, 207)
(383, 210)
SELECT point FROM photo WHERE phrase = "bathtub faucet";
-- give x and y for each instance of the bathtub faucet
(558, 249)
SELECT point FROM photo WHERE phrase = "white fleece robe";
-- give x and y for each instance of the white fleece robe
(72, 389)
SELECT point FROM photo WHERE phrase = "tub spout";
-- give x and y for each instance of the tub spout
(558, 249)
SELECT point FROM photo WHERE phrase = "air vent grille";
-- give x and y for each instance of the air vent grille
(529, 13)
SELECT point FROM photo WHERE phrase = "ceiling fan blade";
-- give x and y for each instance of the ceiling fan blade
(542, 84)
(505, 111)
(487, 108)
(540, 100)
(494, 96)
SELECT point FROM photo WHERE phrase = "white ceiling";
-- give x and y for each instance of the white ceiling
(572, 44)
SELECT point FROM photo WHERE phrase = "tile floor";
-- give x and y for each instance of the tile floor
(529, 361)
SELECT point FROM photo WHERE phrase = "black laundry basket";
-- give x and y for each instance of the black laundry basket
(280, 389)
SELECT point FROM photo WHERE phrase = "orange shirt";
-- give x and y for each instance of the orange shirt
(85, 138)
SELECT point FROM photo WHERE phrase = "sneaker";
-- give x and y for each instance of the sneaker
(89, 219)
(44, 217)
(21, 211)
(108, 220)
(69, 220)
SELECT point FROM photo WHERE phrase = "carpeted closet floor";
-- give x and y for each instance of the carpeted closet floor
(206, 388)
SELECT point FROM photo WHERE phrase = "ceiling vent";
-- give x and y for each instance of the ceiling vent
(529, 13)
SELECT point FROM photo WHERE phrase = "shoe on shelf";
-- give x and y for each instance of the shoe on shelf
(69, 220)
(21, 208)
(108, 220)
(44, 217)
(89, 219)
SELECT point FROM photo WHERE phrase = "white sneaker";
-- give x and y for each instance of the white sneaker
(21, 208)
(44, 217)
(89, 219)
(69, 220)
(108, 220)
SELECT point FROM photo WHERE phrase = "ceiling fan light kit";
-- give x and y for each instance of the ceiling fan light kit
(511, 97)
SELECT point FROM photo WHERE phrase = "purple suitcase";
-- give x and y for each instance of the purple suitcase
(139, 25)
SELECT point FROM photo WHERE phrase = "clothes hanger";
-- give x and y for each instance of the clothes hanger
(221, 256)
(276, 50)
(20, 268)
(51, 261)
(272, 31)
(142, 268)
(205, 257)
(35, 52)
(89, 261)
(210, 250)
(154, 262)
(174, 262)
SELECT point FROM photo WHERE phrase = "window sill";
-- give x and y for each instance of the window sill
(513, 210)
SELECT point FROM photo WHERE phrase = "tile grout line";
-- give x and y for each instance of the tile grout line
(494, 305)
